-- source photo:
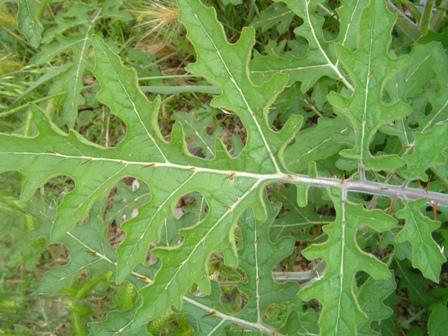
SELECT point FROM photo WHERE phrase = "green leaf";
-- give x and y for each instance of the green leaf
(370, 297)
(127, 200)
(299, 216)
(320, 59)
(118, 323)
(417, 231)
(276, 14)
(349, 17)
(415, 284)
(71, 81)
(206, 314)
(90, 252)
(369, 67)
(78, 23)
(28, 21)
(428, 152)
(144, 154)
(258, 257)
(433, 126)
(195, 127)
(438, 320)
(226, 64)
(341, 311)
(318, 143)
(208, 221)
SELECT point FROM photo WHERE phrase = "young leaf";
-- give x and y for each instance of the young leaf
(369, 67)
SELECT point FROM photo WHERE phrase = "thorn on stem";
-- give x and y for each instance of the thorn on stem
(392, 202)
(434, 210)
(211, 313)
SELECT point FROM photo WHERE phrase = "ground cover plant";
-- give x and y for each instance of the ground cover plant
(293, 182)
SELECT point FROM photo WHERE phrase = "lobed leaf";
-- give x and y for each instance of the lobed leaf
(320, 59)
(341, 311)
(228, 185)
(81, 20)
(230, 190)
(227, 65)
(370, 297)
(28, 21)
(258, 257)
(277, 15)
(417, 231)
(369, 67)
(317, 143)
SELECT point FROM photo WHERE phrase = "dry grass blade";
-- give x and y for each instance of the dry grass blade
(157, 19)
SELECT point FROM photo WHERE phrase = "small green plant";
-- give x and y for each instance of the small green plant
(327, 196)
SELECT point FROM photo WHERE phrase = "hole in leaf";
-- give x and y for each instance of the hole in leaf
(54, 190)
(331, 24)
(428, 109)
(125, 198)
(123, 201)
(201, 130)
(99, 126)
(228, 280)
(234, 134)
(188, 211)
(361, 277)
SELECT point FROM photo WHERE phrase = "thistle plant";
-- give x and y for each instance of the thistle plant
(343, 166)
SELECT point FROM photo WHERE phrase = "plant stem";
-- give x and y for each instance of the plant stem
(21, 107)
(426, 17)
(404, 23)
(439, 15)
